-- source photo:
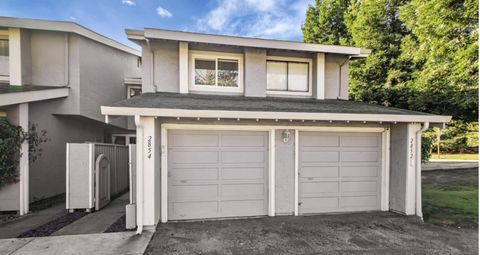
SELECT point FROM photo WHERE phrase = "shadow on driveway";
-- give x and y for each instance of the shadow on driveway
(371, 233)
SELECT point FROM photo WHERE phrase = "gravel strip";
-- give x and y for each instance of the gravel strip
(54, 225)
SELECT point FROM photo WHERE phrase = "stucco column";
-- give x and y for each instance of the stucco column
(148, 171)
(18, 115)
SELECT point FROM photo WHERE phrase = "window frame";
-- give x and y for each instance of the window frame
(129, 87)
(287, 60)
(127, 138)
(209, 55)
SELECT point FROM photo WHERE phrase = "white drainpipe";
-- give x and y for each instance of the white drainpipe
(139, 187)
(418, 168)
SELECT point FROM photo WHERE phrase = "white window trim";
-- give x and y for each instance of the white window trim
(214, 55)
(294, 93)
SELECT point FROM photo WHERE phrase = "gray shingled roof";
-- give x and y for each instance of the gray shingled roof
(270, 104)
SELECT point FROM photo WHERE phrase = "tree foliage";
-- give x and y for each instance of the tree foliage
(424, 53)
(11, 139)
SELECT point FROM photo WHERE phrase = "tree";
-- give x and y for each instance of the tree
(381, 78)
(325, 23)
(444, 44)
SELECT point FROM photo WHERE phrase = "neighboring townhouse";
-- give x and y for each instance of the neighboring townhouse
(233, 127)
(57, 74)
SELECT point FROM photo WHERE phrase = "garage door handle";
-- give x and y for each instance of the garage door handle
(300, 203)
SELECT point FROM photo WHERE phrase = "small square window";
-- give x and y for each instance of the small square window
(134, 91)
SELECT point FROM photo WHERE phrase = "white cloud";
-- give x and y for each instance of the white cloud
(72, 18)
(277, 19)
(128, 2)
(164, 13)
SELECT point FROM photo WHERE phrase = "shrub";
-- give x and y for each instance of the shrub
(11, 139)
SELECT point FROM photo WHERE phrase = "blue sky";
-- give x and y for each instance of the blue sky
(275, 19)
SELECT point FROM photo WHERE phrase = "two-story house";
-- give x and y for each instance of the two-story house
(233, 127)
(56, 75)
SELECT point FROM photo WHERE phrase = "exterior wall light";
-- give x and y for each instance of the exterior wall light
(286, 135)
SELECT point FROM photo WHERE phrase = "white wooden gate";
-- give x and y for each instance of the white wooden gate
(102, 182)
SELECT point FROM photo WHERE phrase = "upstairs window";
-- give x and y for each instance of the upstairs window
(289, 76)
(220, 72)
(4, 48)
(133, 91)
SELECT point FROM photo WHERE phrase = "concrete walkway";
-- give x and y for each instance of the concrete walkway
(22, 224)
(127, 243)
(449, 165)
(97, 222)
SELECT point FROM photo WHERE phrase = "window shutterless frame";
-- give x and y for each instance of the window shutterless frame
(217, 56)
(288, 92)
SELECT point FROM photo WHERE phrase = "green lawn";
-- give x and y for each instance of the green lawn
(455, 156)
(453, 204)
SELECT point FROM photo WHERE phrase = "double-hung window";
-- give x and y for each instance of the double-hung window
(222, 72)
(289, 76)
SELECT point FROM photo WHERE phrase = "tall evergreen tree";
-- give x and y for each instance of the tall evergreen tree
(325, 24)
(444, 43)
(381, 78)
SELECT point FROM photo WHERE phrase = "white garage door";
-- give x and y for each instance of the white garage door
(213, 174)
(339, 172)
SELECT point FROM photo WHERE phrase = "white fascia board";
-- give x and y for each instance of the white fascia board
(182, 113)
(245, 41)
(65, 26)
(32, 96)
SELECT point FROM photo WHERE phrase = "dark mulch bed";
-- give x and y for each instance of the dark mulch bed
(54, 225)
(118, 226)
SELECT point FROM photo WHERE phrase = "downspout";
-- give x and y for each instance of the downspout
(153, 64)
(340, 76)
(139, 186)
(418, 169)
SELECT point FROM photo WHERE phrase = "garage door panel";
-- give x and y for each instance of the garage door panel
(192, 210)
(185, 193)
(320, 156)
(193, 157)
(243, 208)
(345, 177)
(360, 156)
(189, 174)
(243, 191)
(359, 186)
(243, 141)
(224, 178)
(243, 173)
(367, 202)
(359, 171)
(243, 157)
(319, 171)
(192, 140)
(319, 187)
(316, 140)
(319, 204)
(360, 141)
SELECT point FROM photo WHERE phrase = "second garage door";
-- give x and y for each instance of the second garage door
(339, 172)
(214, 174)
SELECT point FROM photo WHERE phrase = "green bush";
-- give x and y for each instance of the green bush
(11, 139)
(458, 137)
(426, 148)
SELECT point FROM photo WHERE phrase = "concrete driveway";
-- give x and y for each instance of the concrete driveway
(360, 233)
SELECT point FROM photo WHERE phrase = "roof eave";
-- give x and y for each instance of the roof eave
(319, 116)
(152, 33)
